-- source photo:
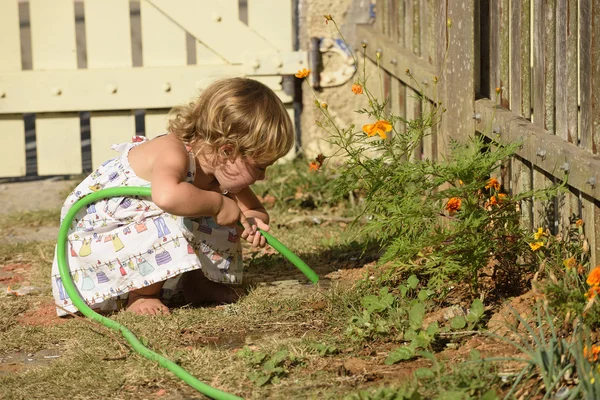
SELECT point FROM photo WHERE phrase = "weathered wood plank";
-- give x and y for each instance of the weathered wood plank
(537, 75)
(494, 48)
(516, 94)
(441, 53)
(457, 79)
(210, 23)
(396, 61)
(565, 201)
(521, 182)
(163, 44)
(417, 27)
(526, 71)
(108, 48)
(409, 25)
(413, 111)
(504, 55)
(86, 89)
(535, 140)
(13, 163)
(53, 47)
(424, 29)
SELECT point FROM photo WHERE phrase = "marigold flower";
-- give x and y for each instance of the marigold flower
(357, 88)
(535, 246)
(380, 128)
(570, 263)
(540, 232)
(592, 292)
(313, 166)
(497, 199)
(493, 183)
(593, 278)
(302, 73)
(453, 205)
(593, 354)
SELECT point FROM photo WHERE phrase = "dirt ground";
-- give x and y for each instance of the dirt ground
(43, 194)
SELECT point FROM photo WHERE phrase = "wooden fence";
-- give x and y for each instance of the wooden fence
(544, 58)
(79, 75)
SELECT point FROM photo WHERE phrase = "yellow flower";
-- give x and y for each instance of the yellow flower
(453, 205)
(493, 183)
(570, 263)
(357, 88)
(303, 73)
(593, 278)
(378, 128)
(540, 232)
(536, 245)
(328, 18)
(324, 105)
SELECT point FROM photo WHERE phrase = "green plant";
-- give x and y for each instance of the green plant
(267, 368)
(545, 353)
(450, 215)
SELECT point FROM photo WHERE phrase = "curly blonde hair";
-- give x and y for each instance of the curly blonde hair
(238, 112)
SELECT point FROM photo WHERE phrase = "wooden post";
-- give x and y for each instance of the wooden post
(11, 125)
(456, 87)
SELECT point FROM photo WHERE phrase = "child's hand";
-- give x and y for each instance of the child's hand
(230, 214)
(253, 235)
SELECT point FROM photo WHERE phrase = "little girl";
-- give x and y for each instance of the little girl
(125, 248)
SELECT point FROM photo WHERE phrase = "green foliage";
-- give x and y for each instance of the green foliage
(267, 368)
(546, 354)
(293, 185)
(442, 219)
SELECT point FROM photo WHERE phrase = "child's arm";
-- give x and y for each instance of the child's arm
(256, 214)
(174, 195)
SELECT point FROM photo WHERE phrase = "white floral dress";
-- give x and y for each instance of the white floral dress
(120, 244)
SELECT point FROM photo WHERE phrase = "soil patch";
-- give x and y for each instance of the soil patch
(43, 315)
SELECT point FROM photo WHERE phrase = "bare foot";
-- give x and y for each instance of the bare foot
(145, 301)
(146, 305)
(199, 290)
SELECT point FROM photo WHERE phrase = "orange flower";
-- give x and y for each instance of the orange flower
(378, 128)
(313, 166)
(357, 88)
(324, 105)
(592, 292)
(453, 205)
(593, 278)
(591, 355)
(303, 73)
(579, 222)
(497, 199)
(535, 246)
(493, 183)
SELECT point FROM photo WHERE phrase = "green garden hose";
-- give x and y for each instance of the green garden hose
(79, 303)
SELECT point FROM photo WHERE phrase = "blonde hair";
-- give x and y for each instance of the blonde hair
(238, 112)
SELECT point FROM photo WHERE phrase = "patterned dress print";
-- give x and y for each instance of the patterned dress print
(121, 244)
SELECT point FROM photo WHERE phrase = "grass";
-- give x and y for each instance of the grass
(285, 338)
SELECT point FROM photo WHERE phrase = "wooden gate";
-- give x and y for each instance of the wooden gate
(119, 59)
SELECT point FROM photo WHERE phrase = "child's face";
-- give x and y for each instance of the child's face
(238, 174)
